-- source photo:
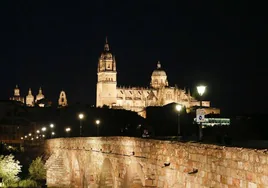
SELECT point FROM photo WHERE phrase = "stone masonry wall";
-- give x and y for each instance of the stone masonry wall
(133, 162)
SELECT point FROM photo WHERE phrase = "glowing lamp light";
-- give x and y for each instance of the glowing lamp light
(201, 89)
(81, 116)
(178, 107)
(37, 131)
(68, 129)
(44, 129)
(21, 138)
(25, 136)
(53, 133)
(97, 122)
(30, 134)
(43, 135)
(51, 125)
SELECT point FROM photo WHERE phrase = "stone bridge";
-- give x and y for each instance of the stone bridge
(124, 162)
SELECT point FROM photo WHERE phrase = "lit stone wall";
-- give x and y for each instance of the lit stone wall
(131, 162)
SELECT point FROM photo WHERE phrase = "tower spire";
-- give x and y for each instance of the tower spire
(158, 65)
(106, 46)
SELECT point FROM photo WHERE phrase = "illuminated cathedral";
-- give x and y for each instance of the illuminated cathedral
(159, 93)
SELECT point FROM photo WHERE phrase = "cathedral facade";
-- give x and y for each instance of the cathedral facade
(159, 93)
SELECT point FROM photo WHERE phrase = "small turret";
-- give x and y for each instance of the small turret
(62, 99)
(30, 98)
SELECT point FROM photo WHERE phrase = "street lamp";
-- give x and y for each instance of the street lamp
(81, 116)
(44, 129)
(97, 123)
(51, 125)
(68, 129)
(178, 108)
(201, 90)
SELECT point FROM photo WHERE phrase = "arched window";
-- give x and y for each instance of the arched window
(168, 96)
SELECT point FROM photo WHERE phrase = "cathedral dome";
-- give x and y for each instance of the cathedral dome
(159, 77)
(159, 71)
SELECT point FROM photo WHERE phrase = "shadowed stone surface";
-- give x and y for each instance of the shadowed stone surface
(124, 162)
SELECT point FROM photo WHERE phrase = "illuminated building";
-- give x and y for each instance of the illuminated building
(137, 98)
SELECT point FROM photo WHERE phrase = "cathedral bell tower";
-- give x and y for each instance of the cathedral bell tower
(106, 84)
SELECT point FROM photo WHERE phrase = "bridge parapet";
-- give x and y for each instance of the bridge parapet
(126, 162)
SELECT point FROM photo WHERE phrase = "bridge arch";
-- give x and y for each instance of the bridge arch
(106, 174)
(134, 177)
(76, 176)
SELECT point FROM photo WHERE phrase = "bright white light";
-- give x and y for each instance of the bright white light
(38, 131)
(53, 133)
(97, 122)
(43, 135)
(21, 138)
(81, 116)
(178, 107)
(44, 129)
(25, 136)
(51, 125)
(30, 134)
(32, 138)
(201, 90)
(68, 129)
(37, 137)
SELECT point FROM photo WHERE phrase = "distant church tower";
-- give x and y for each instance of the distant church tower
(62, 99)
(40, 95)
(17, 96)
(30, 98)
(106, 84)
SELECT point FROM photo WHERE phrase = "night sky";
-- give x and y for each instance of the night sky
(56, 45)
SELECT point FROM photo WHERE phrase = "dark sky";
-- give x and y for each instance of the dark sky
(56, 45)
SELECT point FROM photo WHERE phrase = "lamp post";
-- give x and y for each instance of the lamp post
(67, 130)
(81, 116)
(201, 90)
(97, 123)
(178, 108)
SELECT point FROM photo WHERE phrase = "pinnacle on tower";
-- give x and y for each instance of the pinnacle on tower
(158, 65)
(106, 46)
(30, 91)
